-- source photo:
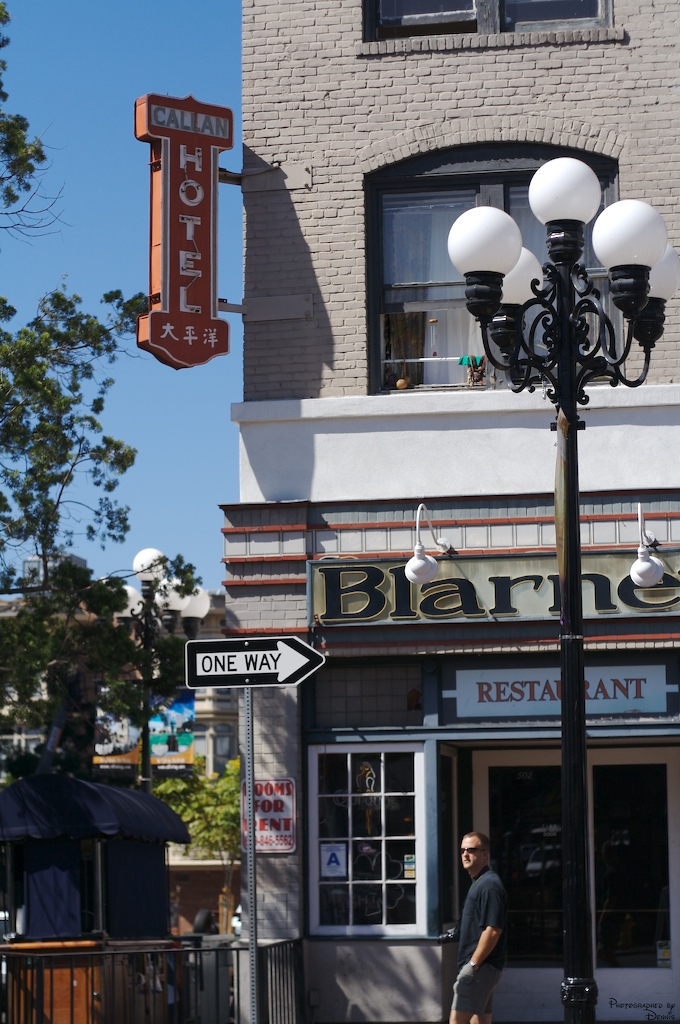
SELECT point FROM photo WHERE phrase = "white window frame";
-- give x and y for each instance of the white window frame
(417, 928)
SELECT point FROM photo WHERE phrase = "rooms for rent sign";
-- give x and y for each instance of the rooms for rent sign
(274, 806)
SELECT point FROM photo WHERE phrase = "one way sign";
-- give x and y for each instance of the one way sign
(255, 661)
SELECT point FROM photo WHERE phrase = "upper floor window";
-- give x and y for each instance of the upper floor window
(421, 334)
(414, 17)
(387, 19)
(530, 13)
(217, 744)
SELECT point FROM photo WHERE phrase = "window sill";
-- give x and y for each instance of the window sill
(503, 40)
(441, 387)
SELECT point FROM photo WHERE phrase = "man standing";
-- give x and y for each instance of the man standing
(483, 935)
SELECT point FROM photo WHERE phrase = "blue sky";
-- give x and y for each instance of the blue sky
(74, 70)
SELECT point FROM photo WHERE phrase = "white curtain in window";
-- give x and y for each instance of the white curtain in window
(416, 229)
(450, 334)
(533, 232)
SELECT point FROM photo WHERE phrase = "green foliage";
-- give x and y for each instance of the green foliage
(210, 807)
(20, 158)
(54, 648)
(61, 636)
(67, 644)
(52, 392)
(58, 640)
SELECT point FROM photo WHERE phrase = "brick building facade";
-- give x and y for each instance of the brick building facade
(369, 125)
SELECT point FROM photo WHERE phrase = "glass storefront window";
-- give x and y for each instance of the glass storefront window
(366, 865)
(225, 747)
(631, 865)
(217, 745)
(631, 913)
(525, 811)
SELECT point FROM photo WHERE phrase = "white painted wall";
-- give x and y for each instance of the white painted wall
(380, 981)
(428, 444)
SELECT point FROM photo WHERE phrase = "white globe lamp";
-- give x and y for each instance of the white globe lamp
(484, 239)
(565, 189)
(664, 277)
(149, 565)
(629, 233)
(517, 284)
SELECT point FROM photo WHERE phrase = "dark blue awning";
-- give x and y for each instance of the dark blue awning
(49, 806)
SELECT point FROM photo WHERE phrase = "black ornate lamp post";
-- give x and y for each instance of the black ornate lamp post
(556, 335)
(148, 615)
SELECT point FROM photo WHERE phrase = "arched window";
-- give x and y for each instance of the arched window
(421, 334)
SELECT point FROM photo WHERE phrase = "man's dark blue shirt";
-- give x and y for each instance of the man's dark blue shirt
(486, 905)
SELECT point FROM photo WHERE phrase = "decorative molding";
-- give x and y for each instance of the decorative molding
(484, 128)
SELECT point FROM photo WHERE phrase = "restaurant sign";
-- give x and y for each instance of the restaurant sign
(182, 327)
(529, 692)
(351, 593)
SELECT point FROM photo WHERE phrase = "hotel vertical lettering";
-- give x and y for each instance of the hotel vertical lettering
(182, 327)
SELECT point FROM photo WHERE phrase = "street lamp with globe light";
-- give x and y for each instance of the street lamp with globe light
(151, 614)
(548, 328)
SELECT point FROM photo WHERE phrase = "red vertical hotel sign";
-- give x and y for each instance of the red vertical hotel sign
(182, 327)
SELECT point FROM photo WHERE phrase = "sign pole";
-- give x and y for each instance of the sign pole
(250, 851)
(249, 662)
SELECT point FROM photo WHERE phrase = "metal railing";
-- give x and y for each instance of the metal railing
(199, 981)
(281, 984)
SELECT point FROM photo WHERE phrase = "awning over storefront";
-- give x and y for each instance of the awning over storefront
(52, 806)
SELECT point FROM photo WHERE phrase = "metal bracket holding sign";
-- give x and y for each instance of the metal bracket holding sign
(250, 662)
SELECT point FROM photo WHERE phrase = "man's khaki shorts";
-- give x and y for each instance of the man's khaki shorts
(474, 989)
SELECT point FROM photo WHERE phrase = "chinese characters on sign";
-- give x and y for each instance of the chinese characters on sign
(182, 327)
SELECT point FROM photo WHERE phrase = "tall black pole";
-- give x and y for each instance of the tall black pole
(579, 990)
(145, 779)
(250, 853)
(561, 339)
(148, 637)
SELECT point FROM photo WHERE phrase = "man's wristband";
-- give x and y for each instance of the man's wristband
(473, 965)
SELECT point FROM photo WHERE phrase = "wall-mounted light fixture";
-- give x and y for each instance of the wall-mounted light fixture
(647, 570)
(422, 568)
